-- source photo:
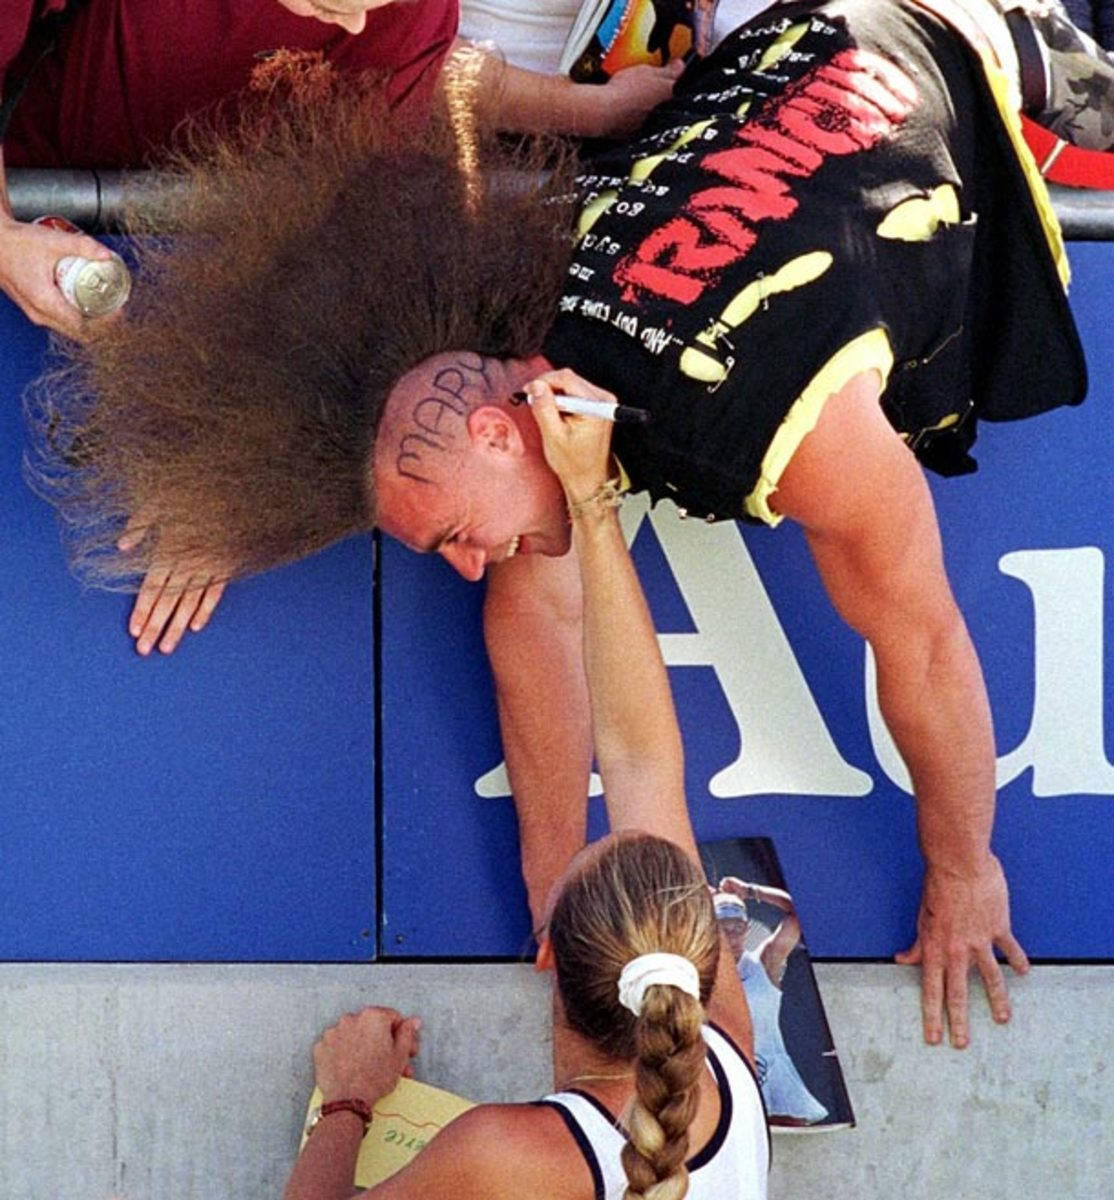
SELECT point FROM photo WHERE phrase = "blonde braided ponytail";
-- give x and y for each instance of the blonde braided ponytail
(642, 895)
(670, 1052)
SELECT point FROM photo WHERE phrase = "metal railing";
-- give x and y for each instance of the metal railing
(1086, 216)
(95, 200)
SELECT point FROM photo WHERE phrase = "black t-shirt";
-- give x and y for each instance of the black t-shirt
(832, 190)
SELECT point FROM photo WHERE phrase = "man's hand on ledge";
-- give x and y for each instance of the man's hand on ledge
(962, 920)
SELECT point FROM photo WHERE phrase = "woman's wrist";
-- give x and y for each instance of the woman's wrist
(357, 1110)
(587, 501)
(359, 1096)
(361, 1093)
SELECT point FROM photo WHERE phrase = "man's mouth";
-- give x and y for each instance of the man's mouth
(512, 547)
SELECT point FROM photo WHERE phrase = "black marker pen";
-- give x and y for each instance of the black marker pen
(584, 407)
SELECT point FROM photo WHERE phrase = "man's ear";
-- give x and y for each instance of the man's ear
(492, 430)
(543, 960)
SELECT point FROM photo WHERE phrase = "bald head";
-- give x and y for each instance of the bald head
(458, 469)
(425, 420)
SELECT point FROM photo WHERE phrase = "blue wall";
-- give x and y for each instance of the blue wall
(221, 803)
(843, 828)
(216, 804)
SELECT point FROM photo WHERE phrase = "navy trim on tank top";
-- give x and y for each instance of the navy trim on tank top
(599, 1106)
(754, 1075)
(726, 1110)
(723, 1125)
(581, 1139)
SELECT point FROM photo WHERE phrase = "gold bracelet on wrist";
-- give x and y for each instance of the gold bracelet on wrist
(607, 495)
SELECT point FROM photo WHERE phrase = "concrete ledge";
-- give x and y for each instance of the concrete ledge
(189, 1081)
(1026, 1110)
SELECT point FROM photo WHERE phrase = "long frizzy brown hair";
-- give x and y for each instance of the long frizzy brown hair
(641, 894)
(297, 261)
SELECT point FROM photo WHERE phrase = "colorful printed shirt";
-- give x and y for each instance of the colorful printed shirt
(835, 189)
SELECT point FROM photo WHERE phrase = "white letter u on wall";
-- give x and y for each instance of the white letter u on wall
(1065, 741)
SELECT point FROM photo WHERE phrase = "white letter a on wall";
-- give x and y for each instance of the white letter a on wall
(1065, 741)
(785, 745)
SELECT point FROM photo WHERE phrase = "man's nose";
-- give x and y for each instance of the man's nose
(466, 560)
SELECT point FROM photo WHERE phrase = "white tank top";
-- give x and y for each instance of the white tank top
(731, 1166)
(529, 33)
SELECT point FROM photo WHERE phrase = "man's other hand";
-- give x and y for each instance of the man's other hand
(961, 921)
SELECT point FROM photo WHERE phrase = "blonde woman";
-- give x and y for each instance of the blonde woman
(655, 1091)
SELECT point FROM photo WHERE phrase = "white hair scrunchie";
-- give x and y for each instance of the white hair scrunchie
(672, 970)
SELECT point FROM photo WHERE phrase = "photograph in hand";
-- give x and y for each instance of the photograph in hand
(795, 1058)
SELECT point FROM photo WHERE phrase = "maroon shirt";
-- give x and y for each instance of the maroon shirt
(126, 72)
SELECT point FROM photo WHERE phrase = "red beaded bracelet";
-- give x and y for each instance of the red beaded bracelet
(353, 1105)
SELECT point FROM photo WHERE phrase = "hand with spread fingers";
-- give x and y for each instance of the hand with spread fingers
(173, 599)
(961, 922)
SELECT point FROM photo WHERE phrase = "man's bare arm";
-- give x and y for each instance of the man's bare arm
(532, 625)
(871, 526)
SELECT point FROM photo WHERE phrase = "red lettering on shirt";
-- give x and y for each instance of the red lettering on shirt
(878, 78)
(720, 213)
(822, 126)
(842, 107)
(890, 95)
(803, 157)
(752, 204)
(754, 166)
(675, 260)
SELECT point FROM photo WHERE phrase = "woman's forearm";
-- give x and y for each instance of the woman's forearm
(326, 1166)
(634, 727)
(637, 741)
